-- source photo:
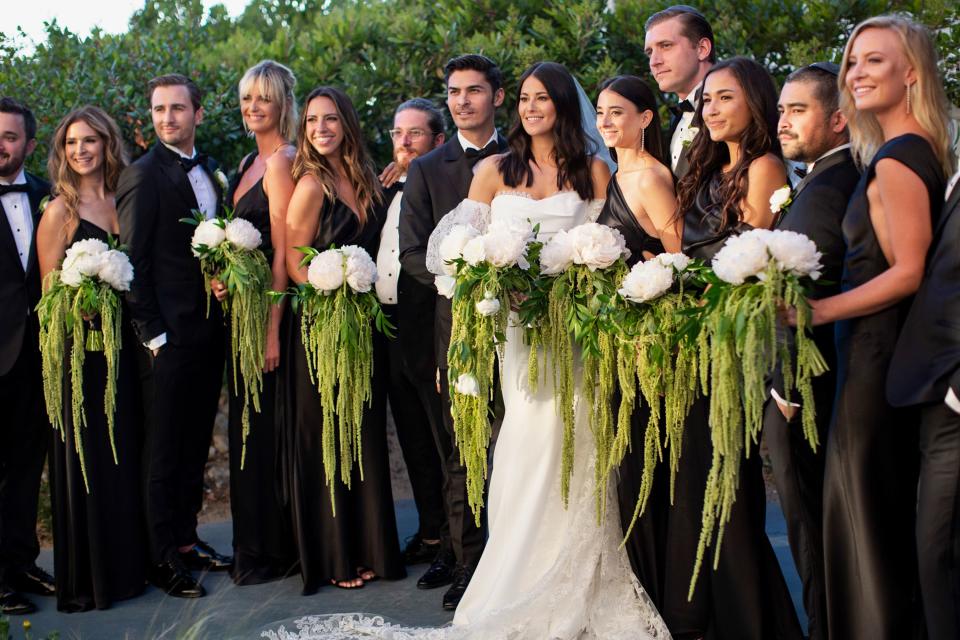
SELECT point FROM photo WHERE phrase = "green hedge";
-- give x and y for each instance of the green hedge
(383, 52)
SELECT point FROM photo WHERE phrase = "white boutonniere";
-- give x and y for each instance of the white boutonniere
(222, 179)
(687, 136)
(780, 199)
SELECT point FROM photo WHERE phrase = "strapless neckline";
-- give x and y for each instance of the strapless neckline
(529, 198)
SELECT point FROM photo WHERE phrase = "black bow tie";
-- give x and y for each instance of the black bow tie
(684, 106)
(190, 163)
(476, 155)
(800, 172)
(13, 188)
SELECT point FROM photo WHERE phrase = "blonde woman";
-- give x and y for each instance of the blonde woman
(99, 546)
(893, 99)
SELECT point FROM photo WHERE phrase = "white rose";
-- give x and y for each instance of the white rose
(779, 199)
(678, 261)
(242, 234)
(488, 306)
(743, 256)
(361, 270)
(795, 253)
(451, 247)
(208, 234)
(557, 254)
(646, 281)
(688, 135)
(116, 270)
(325, 272)
(446, 285)
(597, 246)
(473, 251)
(467, 385)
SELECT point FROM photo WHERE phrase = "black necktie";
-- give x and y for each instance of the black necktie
(13, 188)
(476, 155)
(801, 172)
(190, 163)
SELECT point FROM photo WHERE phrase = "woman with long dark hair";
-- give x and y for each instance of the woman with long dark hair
(99, 548)
(735, 166)
(337, 200)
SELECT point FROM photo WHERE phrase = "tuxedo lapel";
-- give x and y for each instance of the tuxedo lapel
(457, 167)
(211, 167)
(819, 167)
(36, 194)
(176, 175)
(7, 239)
(949, 209)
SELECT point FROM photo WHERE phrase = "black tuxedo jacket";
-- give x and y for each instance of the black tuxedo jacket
(927, 357)
(436, 183)
(19, 289)
(682, 165)
(167, 294)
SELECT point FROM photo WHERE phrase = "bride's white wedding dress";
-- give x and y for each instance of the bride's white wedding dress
(547, 572)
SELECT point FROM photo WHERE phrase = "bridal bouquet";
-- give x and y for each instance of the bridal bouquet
(582, 267)
(228, 249)
(86, 286)
(662, 350)
(486, 268)
(756, 273)
(339, 310)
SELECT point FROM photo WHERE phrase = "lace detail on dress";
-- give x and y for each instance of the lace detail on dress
(594, 207)
(472, 212)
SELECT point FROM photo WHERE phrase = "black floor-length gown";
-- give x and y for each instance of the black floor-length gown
(99, 539)
(364, 531)
(645, 545)
(872, 464)
(746, 597)
(263, 548)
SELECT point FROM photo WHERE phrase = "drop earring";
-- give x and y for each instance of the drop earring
(643, 134)
(908, 99)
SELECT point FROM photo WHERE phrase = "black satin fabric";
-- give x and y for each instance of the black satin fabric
(263, 548)
(870, 483)
(703, 225)
(364, 531)
(99, 550)
(616, 213)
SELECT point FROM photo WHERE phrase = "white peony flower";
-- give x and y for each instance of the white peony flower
(90, 246)
(83, 258)
(489, 305)
(361, 270)
(795, 253)
(325, 272)
(467, 385)
(597, 246)
(116, 270)
(445, 285)
(780, 199)
(678, 261)
(505, 242)
(646, 281)
(557, 254)
(474, 251)
(208, 234)
(242, 234)
(451, 247)
(743, 256)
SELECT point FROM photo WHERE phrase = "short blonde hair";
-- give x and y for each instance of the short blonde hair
(929, 103)
(276, 82)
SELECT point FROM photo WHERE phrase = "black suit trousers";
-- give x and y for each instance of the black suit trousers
(938, 520)
(416, 408)
(24, 439)
(184, 389)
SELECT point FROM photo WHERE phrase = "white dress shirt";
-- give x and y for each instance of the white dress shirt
(951, 186)
(201, 184)
(676, 142)
(388, 257)
(17, 207)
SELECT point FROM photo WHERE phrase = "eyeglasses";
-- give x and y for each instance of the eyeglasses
(413, 134)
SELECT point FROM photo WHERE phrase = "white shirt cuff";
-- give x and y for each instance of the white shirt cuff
(157, 342)
(952, 400)
(780, 400)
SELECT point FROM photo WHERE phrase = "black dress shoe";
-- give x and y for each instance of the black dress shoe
(203, 557)
(175, 579)
(440, 572)
(14, 604)
(460, 583)
(34, 580)
(418, 552)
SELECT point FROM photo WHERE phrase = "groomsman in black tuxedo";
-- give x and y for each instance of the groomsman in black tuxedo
(414, 401)
(925, 372)
(679, 46)
(436, 183)
(812, 130)
(184, 346)
(24, 430)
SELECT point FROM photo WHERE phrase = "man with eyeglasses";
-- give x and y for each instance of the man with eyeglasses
(414, 402)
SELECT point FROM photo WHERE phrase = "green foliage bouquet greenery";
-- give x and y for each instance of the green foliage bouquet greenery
(86, 287)
(228, 249)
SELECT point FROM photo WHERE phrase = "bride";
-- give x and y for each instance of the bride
(547, 572)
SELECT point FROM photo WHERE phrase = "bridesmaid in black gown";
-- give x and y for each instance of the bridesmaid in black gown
(870, 483)
(337, 201)
(263, 548)
(628, 122)
(99, 548)
(734, 168)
